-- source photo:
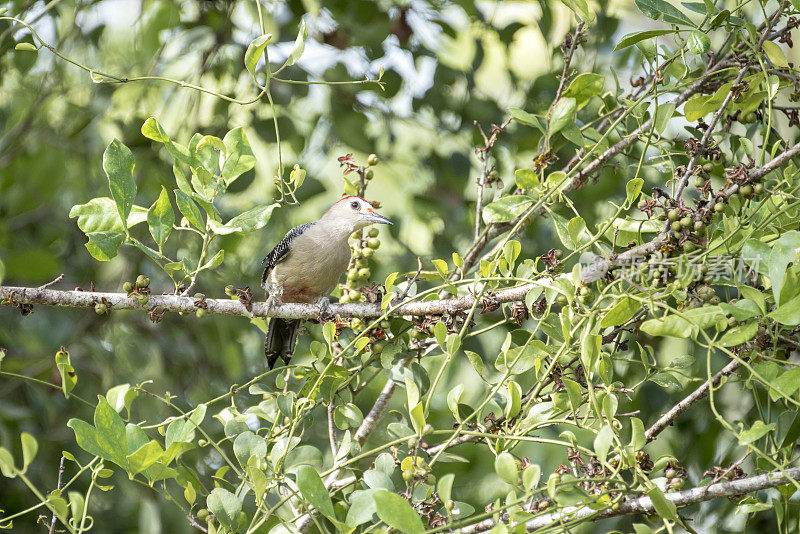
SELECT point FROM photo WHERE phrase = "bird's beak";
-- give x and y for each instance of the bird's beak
(376, 218)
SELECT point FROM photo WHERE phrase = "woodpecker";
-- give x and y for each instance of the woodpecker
(306, 265)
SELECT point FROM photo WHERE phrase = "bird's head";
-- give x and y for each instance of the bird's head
(354, 212)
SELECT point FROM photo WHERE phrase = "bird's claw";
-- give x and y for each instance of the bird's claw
(325, 313)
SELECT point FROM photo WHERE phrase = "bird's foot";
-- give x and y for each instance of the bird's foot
(325, 313)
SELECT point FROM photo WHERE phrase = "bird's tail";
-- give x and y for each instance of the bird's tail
(281, 339)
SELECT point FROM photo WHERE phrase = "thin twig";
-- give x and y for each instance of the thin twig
(700, 393)
(58, 486)
(52, 282)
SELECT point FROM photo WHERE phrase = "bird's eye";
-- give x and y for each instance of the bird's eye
(354, 205)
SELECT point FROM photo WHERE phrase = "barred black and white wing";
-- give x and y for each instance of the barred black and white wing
(281, 250)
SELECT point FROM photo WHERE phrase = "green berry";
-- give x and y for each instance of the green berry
(561, 300)
(378, 347)
(367, 252)
(708, 167)
(372, 232)
(143, 299)
(714, 300)
(230, 291)
(746, 190)
(674, 214)
(374, 243)
(408, 475)
(369, 175)
(100, 308)
(356, 235)
(372, 159)
(385, 324)
(199, 296)
(732, 322)
(142, 281)
(686, 222)
(354, 295)
(699, 181)
(719, 207)
(200, 313)
(352, 274)
(585, 291)
(363, 273)
(676, 226)
(344, 299)
(427, 429)
(699, 226)
(127, 287)
(758, 189)
(356, 323)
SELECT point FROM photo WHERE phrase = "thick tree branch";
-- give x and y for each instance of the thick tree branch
(14, 296)
(644, 505)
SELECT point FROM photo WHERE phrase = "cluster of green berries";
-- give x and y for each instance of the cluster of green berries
(363, 248)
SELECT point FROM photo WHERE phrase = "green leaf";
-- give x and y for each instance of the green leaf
(160, 218)
(513, 399)
(584, 86)
(632, 190)
(299, 44)
(739, 334)
(240, 157)
(144, 457)
(590, 349)
(664, 507)
(189, 209)
(788, 314)
(633, 38)
(397, 513)
(526, 118)
(248, 445)
(775, 54)
(784, 252)
(699, 43)
(506, 468)
(253, 219)
(658, 8)
(7, 463)
(313, 490)
(602, 443)
(26, 47)
(441, 267)
(101, 215)
(29, 449)
(531, 476)
(362, 507)
(506, 209)
(225, 506)
(254, 51)
(755, 432)
(620, 313)
(106, 438)
(67, 372)
(118, 164)
(563, 113)
(153, 130)
(104, 245)
(476, 361)
(637, 434)
(526, 179)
